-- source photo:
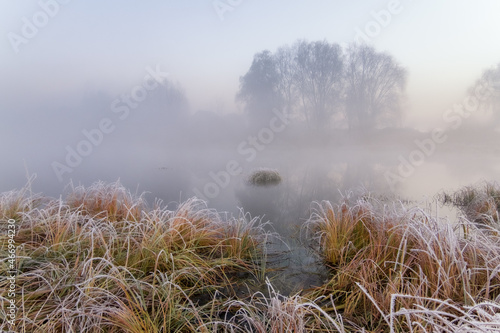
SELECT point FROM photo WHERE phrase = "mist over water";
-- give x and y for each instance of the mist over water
(167, 96)
(211, 156)
(175, 158)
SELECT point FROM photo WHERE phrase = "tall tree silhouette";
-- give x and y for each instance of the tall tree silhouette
(486, 92)
(317, 80)
(259, 88)
(374, 85)
(319, 76)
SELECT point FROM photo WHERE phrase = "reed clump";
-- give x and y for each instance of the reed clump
(271, 312)
(479, 203)
(101, 261)
(393, 268)
(14, 204)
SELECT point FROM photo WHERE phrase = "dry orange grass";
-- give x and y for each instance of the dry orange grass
(110, 201)
(376, 252)
(102, 261)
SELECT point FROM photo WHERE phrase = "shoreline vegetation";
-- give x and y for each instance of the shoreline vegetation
(102, 260)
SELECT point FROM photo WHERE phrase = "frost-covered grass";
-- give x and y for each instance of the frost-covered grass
(479, 203)
(401, 270)
(103, 261)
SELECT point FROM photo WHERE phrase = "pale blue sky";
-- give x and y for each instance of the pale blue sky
(445, 45)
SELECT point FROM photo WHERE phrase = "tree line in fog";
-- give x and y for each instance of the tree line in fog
(317, 84)
(324, 85)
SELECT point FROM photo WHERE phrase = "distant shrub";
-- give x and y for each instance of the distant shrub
(263, 177)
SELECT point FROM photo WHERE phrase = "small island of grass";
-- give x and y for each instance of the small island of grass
(264, 177)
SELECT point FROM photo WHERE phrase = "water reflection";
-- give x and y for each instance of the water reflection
(288, 205)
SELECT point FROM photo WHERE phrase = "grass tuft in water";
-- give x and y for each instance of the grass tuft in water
(264, 177)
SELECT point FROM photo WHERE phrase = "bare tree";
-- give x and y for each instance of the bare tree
(286, 67)
(375, 86)
(318, 77)
(486, 92)
(259, 88)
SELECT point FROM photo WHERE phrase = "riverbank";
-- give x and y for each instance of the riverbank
(104, 260)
